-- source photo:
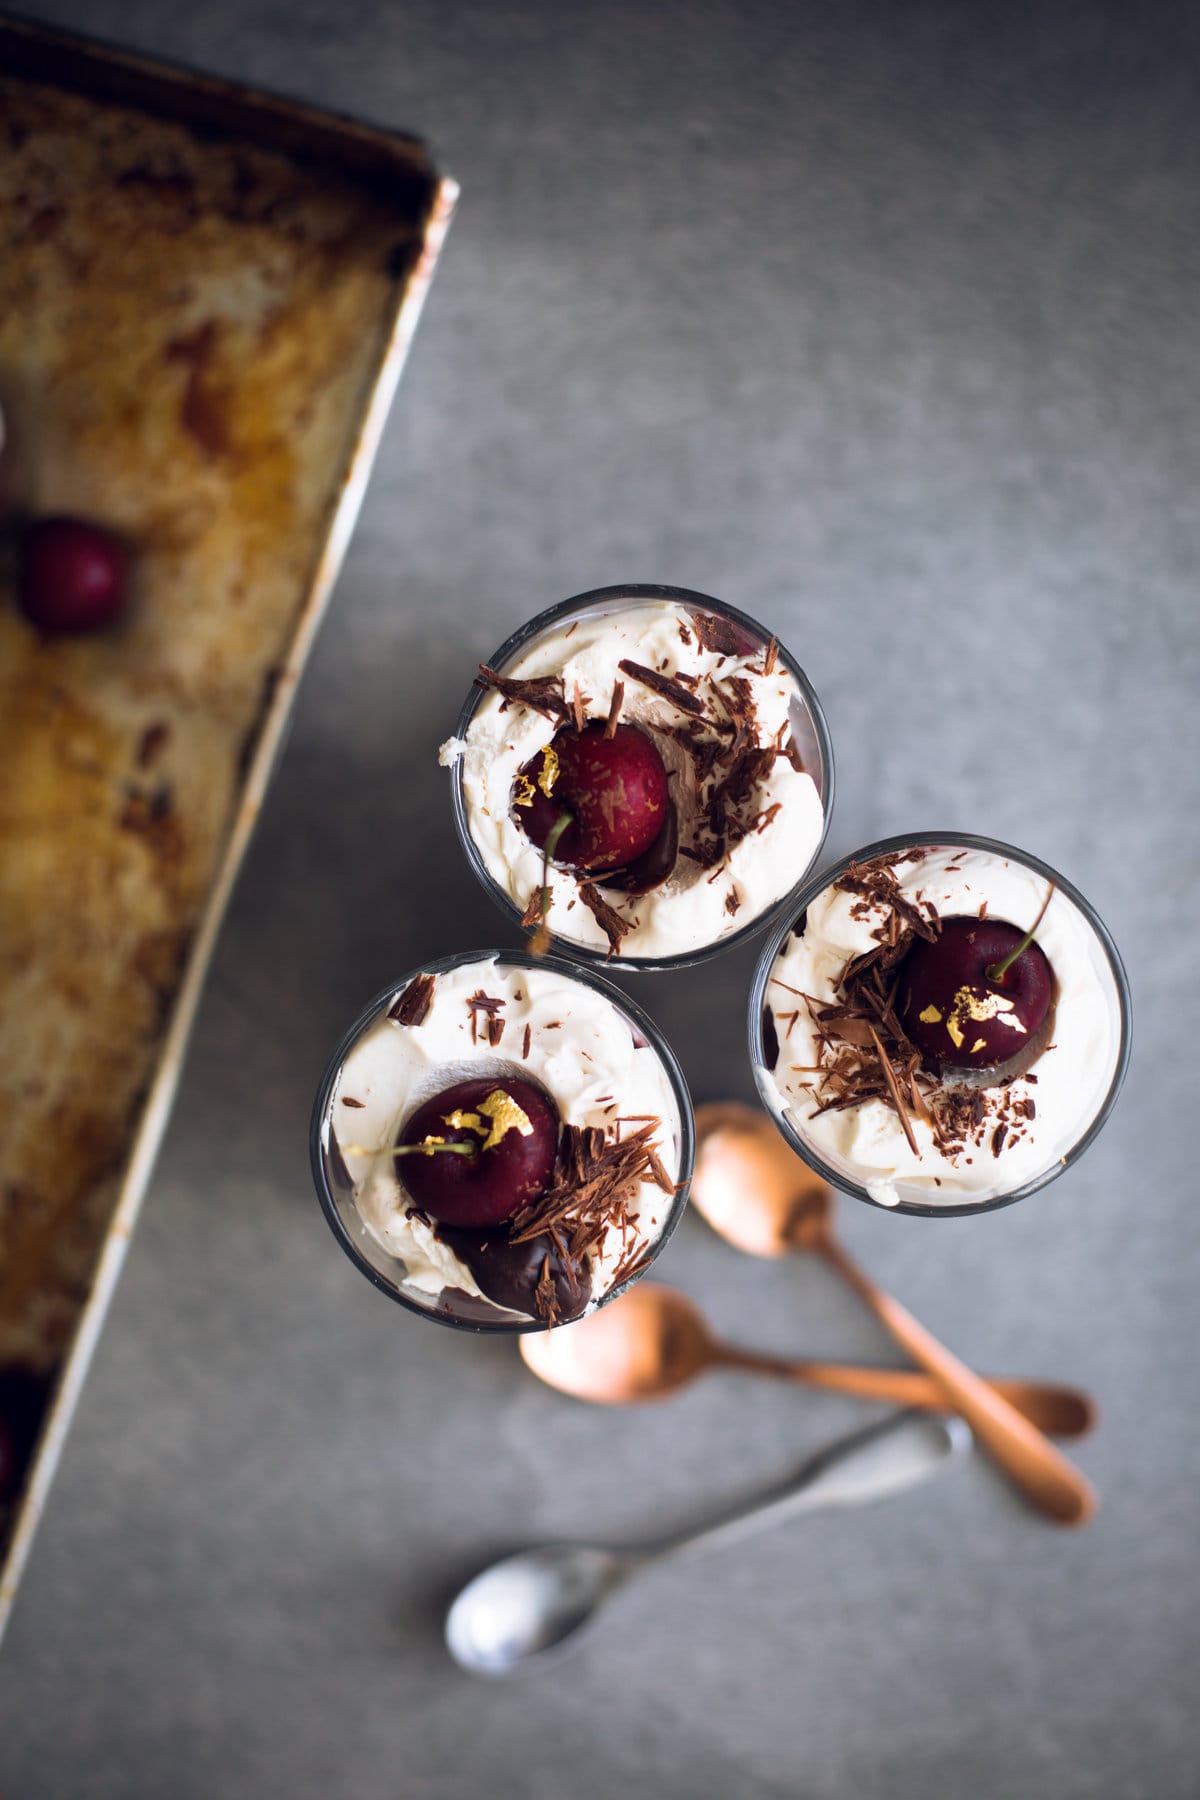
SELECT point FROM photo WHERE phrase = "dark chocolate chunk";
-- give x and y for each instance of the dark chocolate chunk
(412, 1008)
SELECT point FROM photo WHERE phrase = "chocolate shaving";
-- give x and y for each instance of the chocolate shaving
(704, 751)
(490, 1007)
(577, 708)
(659, 1173)
(533, 910)
(614, 927)
(717, 634)
(876, 883)
(706, 854)
(412, 1008)
(663, 685)
(998, 1137)
(614, 711)
(732, 903)
(635, 1259)
(770, 656)
(897, 1096)
(544, 695)
(545, 1298)
(594, 1178)
(347, 1101)
(526, 1041)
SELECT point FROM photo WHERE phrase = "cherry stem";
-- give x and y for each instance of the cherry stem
(464, 1149)
(552, 838)
(997, 971)
(541, 937)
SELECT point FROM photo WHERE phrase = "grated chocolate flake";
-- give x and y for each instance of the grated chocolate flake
(663, 685)
(614, 711)
(533, 910)
(347, 1101)
(412, 1008)
(489, 1007)
(545, 1295)
(595, 1177)
(614, 927)
(526, 1041)
(717, 635)
(544, 695)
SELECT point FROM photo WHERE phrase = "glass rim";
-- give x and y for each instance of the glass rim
(642, 592)
(913, 841)
(375, 1009)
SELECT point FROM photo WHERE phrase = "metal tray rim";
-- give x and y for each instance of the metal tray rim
(151, 1127)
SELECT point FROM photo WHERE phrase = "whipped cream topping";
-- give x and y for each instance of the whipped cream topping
(559, 1033)
(1044, 1112)
(700, 902)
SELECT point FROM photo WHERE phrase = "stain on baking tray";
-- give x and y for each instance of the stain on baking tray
(203, 409)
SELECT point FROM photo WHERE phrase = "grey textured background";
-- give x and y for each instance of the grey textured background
(880, 322)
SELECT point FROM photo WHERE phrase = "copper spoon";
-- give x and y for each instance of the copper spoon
(755, 1190)
(654, 1341)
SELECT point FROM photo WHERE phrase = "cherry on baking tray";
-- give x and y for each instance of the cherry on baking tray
(71, 575)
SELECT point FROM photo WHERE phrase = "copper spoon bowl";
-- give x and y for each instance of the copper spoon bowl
(654, 1341)
(760, 1196)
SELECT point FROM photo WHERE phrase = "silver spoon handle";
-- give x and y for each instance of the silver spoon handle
(884, 1458)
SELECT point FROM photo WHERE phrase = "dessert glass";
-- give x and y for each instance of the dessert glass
(1047, 1147)
(339, 1196)
(808, 731)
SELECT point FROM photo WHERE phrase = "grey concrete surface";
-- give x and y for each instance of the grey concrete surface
(880, 322)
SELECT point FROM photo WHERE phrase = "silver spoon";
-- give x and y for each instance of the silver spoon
(528, 1604)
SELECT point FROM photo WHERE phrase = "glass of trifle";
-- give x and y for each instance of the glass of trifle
(502, 1142)
(641, 774)
(941, 1025)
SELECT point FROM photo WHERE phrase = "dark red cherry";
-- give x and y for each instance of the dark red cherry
(507, 1137)
(71, 576)
(614, 788)
(957, 1015)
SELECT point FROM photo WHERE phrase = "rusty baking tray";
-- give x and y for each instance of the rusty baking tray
(206, 297)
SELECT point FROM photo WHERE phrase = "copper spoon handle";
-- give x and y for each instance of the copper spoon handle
(1066, 1411)
(1042, 1473)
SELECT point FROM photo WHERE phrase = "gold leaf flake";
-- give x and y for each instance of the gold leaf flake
(505, 1115)
(549, 770)
(467, 1121)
